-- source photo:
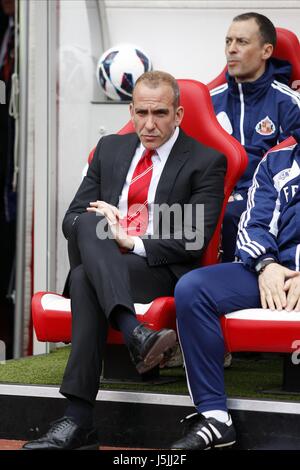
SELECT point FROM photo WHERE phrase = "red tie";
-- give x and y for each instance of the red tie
(137, 214)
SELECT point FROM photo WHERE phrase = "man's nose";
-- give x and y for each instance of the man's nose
(231, 48)
(150, 122)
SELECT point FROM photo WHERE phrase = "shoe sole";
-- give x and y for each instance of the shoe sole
(89, 447)
(156, 354)
(221, 446)
(227, 444)
(217, 447)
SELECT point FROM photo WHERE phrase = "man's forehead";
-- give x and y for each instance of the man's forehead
(243, 29)
(158, 96)
(153, 104)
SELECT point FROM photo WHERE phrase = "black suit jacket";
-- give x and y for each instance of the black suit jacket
(193, 174)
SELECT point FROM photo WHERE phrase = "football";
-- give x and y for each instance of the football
(119, 68)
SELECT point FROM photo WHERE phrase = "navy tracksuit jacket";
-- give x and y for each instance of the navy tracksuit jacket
(259, 114)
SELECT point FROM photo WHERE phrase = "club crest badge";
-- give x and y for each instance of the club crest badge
(265, 126)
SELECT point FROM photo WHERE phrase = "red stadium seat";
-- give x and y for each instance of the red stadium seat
(51, 312)
(287, 48)
(52, 316)
(263, 330)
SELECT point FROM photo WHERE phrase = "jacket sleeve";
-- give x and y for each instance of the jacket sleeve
(257, 234)
(89, 190)
(199, 219)
(289, 115)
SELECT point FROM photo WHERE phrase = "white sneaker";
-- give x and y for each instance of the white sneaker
(205, 433)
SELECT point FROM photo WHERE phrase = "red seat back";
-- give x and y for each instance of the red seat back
(287, 48)
(200, 122)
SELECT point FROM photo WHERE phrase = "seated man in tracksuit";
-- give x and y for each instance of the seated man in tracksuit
(267, 275)
(255, 105)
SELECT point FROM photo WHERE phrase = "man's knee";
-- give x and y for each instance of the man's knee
(190, 287)
(87, 219)
(91, 226)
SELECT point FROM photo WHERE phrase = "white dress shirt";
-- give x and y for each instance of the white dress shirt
(159, 160)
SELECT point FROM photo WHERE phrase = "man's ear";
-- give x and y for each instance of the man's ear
(131, 110)
(179, 115)
(267, 51)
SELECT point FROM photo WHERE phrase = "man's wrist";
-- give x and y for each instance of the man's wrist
(139, 248)
(131, 245)
(261, 265)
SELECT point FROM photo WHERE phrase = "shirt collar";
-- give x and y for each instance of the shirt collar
(164, 150)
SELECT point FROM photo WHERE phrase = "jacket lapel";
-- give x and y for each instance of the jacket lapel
(176, 160)
(121, 166)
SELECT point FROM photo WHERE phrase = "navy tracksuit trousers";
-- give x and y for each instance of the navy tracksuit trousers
(202, 296)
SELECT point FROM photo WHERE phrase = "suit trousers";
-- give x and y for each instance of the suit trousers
(102, 278)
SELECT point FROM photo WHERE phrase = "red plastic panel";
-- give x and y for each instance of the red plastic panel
(50, 325)
(55, 325)
(259, 335)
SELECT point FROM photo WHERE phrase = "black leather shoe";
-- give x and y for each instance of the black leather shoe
(147, 347)
(205, 433)
(64, 434)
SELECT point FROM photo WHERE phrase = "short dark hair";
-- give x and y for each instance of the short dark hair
(154, 78)
(266, 28)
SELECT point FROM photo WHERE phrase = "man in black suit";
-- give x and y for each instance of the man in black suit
(114, 264)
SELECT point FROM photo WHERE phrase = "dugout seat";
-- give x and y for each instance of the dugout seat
(51, 312)
(287, 48)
